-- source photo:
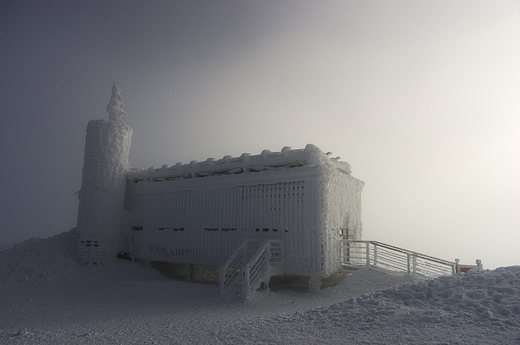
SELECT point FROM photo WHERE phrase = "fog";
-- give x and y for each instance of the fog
(420, 97)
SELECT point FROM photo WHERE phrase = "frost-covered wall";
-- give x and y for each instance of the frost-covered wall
(342, 203)
(103, 187)
(200, 213)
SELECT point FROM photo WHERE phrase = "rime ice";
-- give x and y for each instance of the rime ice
(200, 213)
(102, 191)
(116, 105)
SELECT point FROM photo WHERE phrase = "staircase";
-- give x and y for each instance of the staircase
(250, 265)
(382, 256)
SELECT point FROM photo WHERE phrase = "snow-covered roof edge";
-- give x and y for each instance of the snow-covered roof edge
(267, 160)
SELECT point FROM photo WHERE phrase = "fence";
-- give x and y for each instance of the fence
(372, 254)
(6, 245)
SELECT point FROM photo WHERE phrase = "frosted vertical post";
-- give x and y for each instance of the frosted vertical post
(367, 248)
(375, 256)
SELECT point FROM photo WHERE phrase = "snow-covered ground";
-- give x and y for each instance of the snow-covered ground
(45, 298)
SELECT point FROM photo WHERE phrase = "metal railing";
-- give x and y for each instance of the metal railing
(373, 254)
(6, 245)
(252, 262)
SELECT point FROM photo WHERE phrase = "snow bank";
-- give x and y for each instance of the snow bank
(492, 296)
(49, 298)
(39, 261)
(476, 307)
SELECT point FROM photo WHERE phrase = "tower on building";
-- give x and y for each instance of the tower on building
(101, 198)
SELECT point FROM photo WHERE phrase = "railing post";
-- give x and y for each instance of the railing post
(414, 264)
(347, 253)
(342, 252)
(367, 248)
(408, 268)
(245, 281)
(375, 255)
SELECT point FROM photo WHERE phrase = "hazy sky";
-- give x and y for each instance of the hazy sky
(422, 98)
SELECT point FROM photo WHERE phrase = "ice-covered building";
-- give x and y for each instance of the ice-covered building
(253, 216)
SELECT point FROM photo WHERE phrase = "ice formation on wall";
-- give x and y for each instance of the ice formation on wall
(199, 213)
(102, 191)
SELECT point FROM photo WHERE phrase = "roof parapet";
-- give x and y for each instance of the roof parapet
(267, 160)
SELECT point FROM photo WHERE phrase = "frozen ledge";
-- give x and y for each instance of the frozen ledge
(246, 163)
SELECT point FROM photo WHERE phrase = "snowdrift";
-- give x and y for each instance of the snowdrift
(45, 297)
(39, 261)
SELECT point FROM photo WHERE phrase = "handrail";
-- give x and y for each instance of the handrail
(419, 255)
(384, 256)
(224, 278)
(252, 269)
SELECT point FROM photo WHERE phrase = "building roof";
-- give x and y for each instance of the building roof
(267, 160)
